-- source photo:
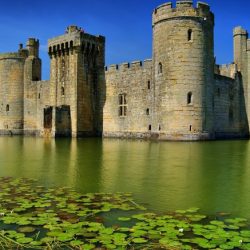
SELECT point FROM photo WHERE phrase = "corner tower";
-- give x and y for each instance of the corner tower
(183, 64)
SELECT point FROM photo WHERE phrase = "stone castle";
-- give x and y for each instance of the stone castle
(179, 94)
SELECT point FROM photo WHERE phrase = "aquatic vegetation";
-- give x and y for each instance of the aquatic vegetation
(33, 217)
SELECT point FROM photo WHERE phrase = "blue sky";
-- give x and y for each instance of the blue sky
(125, 24)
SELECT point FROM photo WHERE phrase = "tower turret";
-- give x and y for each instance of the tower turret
(33, 47)
(33, 62)
(183, 62)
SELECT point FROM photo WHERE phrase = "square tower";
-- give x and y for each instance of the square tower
(77, 82)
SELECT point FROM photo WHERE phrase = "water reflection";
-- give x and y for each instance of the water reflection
(211, 175)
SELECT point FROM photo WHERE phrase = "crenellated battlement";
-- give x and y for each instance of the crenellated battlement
(32, 42)
(183, 9)
(74, 38)
(228, 70)
(239, 31)
(135, 65)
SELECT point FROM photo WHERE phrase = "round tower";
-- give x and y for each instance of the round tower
(11, 92)
(183, 59)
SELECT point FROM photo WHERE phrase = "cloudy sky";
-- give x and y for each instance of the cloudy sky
(125, 24)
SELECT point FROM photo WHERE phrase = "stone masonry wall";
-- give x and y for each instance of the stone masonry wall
(135, 82)
(228, 110)
(36, 99)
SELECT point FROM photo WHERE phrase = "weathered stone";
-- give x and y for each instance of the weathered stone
(179, 94)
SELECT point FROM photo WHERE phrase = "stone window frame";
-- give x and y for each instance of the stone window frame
(147, 111)
(7, 108)
(123, 105)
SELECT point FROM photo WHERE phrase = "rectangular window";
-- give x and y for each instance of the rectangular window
(122, 105)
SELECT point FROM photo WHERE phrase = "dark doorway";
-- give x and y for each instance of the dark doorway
(63, 121)
(47, 118)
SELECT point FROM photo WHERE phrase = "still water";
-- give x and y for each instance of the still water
(214, 176)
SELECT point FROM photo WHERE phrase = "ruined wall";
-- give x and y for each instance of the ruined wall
(183, 66)
(11, 92)
(134, 81)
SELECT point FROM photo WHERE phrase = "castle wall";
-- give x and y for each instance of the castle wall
(36, 99)
(11, 93)
(135, 82)
(178, 95)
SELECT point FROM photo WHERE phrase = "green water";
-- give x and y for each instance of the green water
(214, 176)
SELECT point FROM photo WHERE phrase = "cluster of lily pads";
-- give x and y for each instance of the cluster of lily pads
(35, 217)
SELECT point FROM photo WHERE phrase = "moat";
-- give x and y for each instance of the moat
(162, 176)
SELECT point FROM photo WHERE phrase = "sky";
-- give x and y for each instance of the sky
(126, 25)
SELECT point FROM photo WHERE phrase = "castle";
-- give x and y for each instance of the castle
(179, 94)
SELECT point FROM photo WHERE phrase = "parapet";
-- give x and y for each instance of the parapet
(135, 65)
(240, 31)
(74, 37)
(73, 28)
(185, 9)
(184, 4)
(32, 42)
(228, 70)
(12, 55)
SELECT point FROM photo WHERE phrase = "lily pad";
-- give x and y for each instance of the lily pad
(26, 229)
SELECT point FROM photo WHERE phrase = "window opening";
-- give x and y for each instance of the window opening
(122, 105)
(231, 115)
(190, 35)
(189, 98)
(218, 91)
(160, 68)
(7, 107)
(149, 87)
(62, 91)
(147, 111)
